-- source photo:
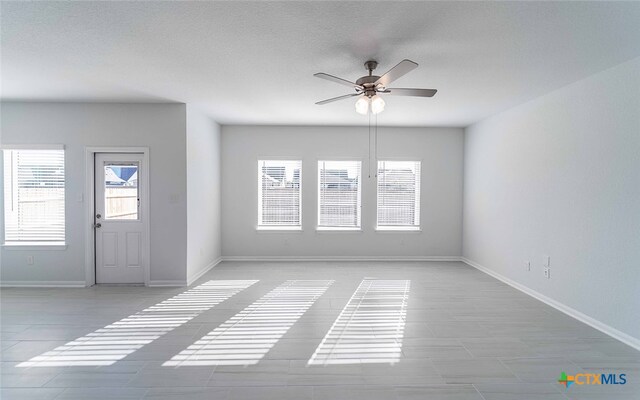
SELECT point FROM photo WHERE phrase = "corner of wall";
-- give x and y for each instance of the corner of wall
(203, 193)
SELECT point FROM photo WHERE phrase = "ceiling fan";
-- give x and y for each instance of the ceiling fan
(369, 86)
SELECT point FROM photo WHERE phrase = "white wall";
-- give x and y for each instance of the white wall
(161, 127)
(560, 176)
(439, 149)
(203, 193)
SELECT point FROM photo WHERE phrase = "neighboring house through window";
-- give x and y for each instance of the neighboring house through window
(279, 194)
(34, 184)
(339, 195)
(398, 195)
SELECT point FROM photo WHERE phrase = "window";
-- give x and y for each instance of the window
(279, 194)
(121, 196)
(339, 194)
(398, 195)
(34, 196)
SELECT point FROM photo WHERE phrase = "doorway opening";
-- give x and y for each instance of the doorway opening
(117, 246)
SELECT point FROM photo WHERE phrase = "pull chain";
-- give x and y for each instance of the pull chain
(369, 169)
(376, 146)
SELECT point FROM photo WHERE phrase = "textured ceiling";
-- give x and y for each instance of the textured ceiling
(253, 62)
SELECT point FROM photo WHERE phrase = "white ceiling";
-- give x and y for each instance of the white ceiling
(253, 62)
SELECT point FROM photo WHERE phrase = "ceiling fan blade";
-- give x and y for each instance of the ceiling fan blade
(335, 79)
(346, 96)
(396, 72)
(411, 92)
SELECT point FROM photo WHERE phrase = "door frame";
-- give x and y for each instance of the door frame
(89, 194)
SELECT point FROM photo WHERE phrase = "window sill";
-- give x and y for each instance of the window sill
(399, 229)
(34, 246)
(278, 229)
(337, 229)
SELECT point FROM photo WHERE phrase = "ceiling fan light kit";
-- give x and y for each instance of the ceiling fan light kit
(374, 104)
(369, 86)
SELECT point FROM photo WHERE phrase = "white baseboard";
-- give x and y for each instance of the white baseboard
(572, 312)
(203, 271)
(340, 258)
(167, 283)
(44, 284)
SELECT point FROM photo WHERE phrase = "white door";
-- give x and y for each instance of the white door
(119, 218)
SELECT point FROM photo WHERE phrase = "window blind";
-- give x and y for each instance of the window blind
(34, 196)
(339, 194)
(279, 194)
(399, 194)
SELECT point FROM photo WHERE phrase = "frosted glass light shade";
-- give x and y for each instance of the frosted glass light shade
(377, 104)
(362, 105)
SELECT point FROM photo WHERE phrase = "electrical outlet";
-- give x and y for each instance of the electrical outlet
(30, 260)
(547, 272)
(527, 265)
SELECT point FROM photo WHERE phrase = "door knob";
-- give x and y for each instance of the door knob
(97, 225)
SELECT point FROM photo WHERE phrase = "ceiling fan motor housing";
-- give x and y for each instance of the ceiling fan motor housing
(368, 82)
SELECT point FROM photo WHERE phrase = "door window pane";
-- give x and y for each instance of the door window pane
(121, 191)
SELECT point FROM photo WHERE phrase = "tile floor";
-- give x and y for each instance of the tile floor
(437, 330)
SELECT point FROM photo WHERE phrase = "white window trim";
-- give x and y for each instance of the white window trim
(32, 147)
(398, 228)
(34, 246)
(278, 228)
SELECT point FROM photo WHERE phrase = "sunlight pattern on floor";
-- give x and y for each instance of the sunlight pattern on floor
(107, 345)
(249, 335)
(370, 328)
